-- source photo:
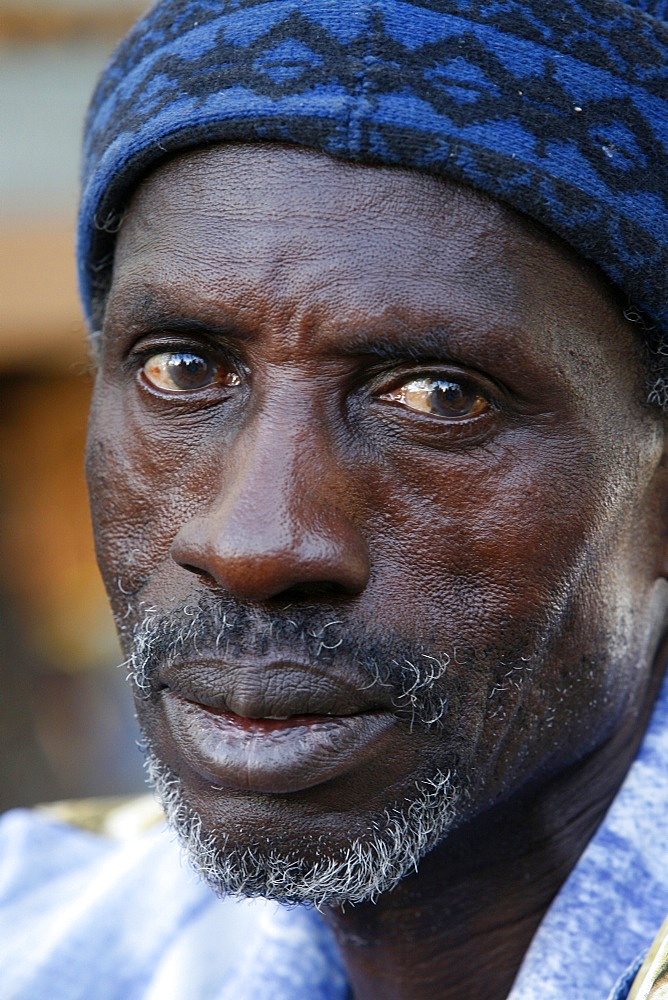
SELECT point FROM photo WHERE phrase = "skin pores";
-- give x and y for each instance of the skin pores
(331, 393)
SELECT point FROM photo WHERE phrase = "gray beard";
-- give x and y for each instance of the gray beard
(361, 872)
(396, 839)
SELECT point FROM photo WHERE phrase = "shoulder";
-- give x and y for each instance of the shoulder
(48, 842)
(96, 902)
(35, 848)
(72, 901)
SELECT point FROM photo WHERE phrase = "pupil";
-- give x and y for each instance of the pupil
(188, 371)
(451, 398)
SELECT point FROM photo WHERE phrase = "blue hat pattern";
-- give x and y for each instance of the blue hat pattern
(558, 109)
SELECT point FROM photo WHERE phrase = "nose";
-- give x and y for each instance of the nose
(275, 523)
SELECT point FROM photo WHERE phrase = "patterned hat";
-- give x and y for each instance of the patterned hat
(559, 109)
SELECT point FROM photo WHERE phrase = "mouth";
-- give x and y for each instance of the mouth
(278, 730)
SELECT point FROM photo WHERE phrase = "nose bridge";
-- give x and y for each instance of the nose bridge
(280, 478)
(280, 517)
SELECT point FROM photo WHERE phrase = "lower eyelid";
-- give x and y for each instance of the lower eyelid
(490, 410)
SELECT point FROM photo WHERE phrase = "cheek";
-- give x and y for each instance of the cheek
(138, 500)
(487, 540)
(508, 564)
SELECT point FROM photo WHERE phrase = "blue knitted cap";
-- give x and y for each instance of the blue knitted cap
(558, 108)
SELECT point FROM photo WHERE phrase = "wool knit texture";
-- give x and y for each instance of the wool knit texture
(558, 109)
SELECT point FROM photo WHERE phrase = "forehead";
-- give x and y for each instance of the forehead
(292, 242)
(261, 203)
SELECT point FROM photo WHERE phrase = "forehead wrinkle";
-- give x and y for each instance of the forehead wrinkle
(298, 264)
(256, 209)
(342, 278)
(393, 333)
(228, 172)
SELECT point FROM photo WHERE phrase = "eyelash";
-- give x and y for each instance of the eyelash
(376, 383)
(430, 430)
(138, 356)
(390, 379)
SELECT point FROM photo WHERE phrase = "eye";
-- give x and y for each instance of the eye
(185, 371)
(452, 399)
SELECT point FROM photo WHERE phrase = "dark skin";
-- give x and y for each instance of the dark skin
(382, 396)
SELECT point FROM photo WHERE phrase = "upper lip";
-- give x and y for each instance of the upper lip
(275, 687)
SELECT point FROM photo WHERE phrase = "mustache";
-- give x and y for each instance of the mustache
(410, 675)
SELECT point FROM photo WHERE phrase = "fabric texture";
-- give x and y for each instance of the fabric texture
(559, 109)
(82, 916)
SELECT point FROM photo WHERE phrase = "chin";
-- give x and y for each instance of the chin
(313, 869)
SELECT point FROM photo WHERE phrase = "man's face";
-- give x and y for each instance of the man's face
(368, 459)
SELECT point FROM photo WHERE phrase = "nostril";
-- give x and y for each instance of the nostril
(257, 558)
(313, 591)
(202, 574)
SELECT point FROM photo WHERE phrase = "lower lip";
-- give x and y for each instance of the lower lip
(271, 755)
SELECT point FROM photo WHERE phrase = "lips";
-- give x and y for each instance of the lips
(276, 727)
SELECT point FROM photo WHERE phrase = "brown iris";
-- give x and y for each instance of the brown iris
(183, 371)
(440, 397)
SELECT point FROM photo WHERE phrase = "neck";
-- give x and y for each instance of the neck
(460, 927)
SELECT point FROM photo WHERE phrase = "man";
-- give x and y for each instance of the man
(378, 478)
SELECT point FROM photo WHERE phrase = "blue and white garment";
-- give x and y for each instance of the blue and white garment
(83, 916)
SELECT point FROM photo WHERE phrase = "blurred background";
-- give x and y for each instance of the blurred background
(66, 722)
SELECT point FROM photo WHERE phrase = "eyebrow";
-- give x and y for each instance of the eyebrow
(149, 308)
(437, 341)
(413, 344)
